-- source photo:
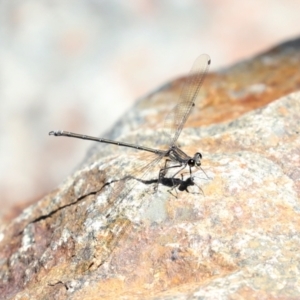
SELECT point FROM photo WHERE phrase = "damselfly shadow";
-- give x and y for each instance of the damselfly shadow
(173, 183)
(175, 158)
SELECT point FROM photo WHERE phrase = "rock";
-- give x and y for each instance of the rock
(235, 233)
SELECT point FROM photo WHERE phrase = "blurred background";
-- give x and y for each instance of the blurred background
(79, 65)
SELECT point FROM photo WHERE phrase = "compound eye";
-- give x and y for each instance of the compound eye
(191, 162)
(198, 158)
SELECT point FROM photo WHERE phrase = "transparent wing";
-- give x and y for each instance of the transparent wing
(118, 208)
(126, 181)
(177, 117)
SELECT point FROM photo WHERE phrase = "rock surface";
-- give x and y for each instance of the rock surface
(238, 239)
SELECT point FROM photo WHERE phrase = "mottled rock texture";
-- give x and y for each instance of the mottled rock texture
(235, 235)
